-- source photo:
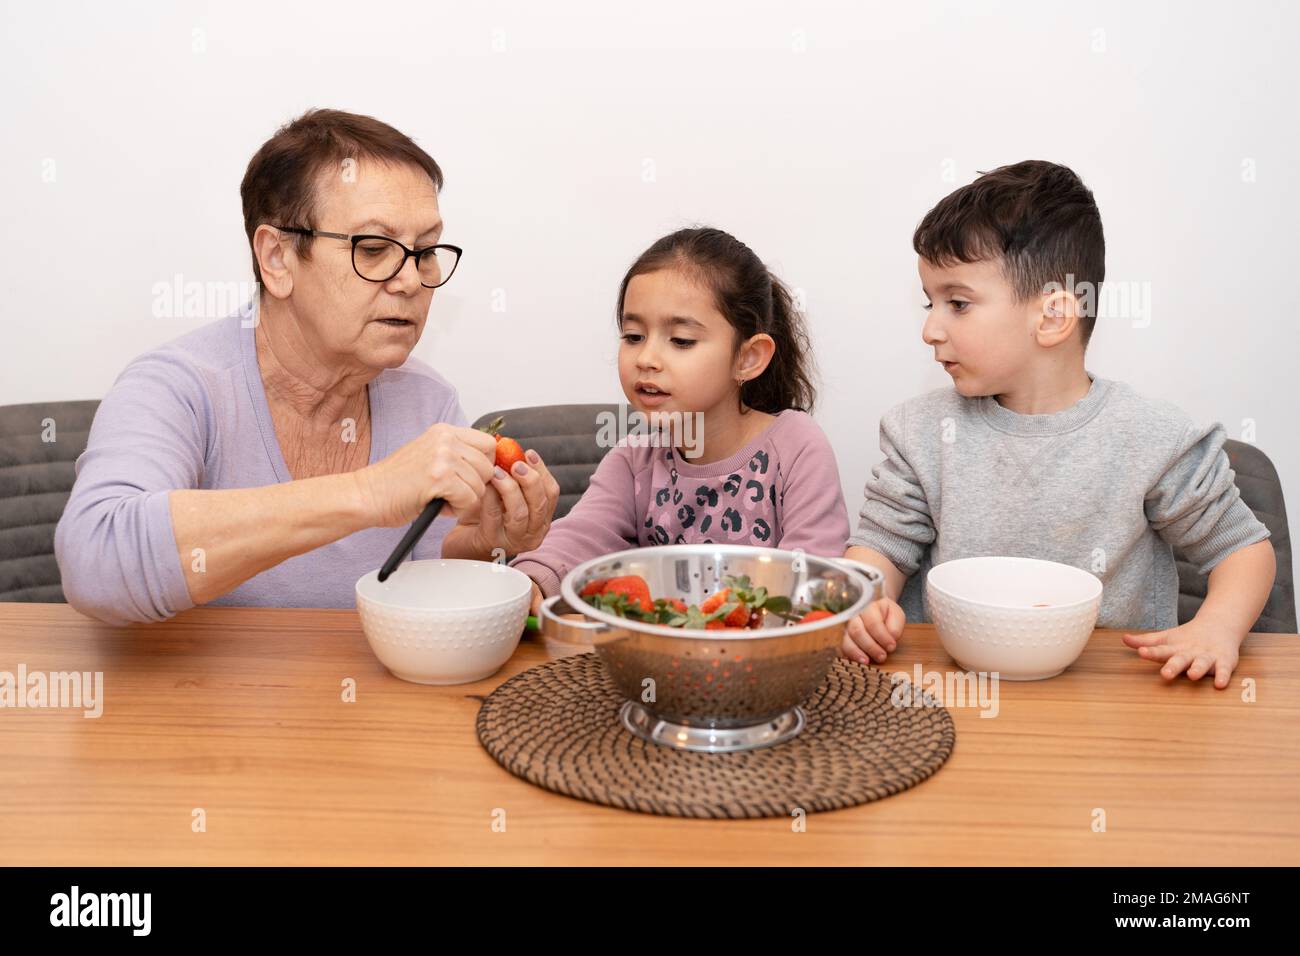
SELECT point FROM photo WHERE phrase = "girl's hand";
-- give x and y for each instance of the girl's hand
(535, 603)
(1196, 647)
(875, 632)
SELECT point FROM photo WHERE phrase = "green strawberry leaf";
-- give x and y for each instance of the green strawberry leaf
(835, 605)
(618, 604)
(665, 613)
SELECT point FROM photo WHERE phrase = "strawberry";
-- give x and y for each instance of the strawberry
(620, 595)
(634, 588)
(814, 616)
(739, 616)
(508, 450)
(750, 603)
(828, 607)
(715, 601)
(667, 610)
(736, 607)
(721, 625)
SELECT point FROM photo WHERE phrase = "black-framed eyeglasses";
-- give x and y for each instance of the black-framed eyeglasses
(379, 258)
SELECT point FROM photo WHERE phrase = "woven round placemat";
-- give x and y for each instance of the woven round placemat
(557, 726)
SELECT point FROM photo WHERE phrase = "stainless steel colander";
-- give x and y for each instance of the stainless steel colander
(714, 691)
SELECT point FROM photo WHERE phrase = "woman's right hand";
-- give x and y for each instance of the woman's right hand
(446, 462)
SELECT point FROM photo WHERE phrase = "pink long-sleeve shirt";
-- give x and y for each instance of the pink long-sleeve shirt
(782, 490)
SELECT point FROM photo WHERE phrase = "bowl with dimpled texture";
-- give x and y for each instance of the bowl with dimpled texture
(444, 621)
(1023, 618)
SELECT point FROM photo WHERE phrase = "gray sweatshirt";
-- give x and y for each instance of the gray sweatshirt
(1111, 485)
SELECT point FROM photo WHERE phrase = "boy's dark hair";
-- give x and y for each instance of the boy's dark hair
(279, 187)
(1037, 218)
(752, 299)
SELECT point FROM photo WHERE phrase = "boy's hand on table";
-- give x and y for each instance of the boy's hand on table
(1197, 647)
(874, 633)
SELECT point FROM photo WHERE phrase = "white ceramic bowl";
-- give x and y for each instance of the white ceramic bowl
(983, 610)
(444, 621)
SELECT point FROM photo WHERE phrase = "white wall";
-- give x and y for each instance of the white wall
(817, 133)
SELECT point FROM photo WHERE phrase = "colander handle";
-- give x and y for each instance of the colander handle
(875, 577)
(573, 632)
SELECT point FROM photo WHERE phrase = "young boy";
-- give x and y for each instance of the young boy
(1031, 455)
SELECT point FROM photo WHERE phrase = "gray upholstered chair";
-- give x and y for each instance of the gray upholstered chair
(1262, 490)
(36, 476)
(565, 437)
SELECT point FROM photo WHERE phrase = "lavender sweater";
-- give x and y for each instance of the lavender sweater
(782, 490)
(193, 414)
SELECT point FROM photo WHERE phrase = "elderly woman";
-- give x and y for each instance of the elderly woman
(273, 458)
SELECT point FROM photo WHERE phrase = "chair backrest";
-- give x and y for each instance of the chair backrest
(39, 445)
(566, 438)
(1261, 489)
(40, 442)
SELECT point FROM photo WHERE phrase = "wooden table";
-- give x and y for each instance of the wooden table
(239, 713)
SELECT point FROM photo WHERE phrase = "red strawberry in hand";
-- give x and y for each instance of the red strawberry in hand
(508, 450)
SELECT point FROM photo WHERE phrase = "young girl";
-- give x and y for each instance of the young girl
(705, 328)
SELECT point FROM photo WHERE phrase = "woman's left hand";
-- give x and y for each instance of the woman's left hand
(516, 509)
